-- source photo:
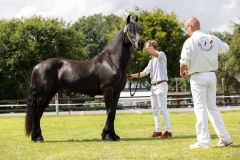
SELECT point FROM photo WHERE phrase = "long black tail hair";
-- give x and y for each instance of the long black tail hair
(31, 106)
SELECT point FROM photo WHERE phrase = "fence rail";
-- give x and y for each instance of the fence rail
(174, 101)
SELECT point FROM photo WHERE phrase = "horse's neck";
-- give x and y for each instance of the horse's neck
(120, 53)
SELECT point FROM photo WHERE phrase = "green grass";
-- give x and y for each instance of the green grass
(78, 137)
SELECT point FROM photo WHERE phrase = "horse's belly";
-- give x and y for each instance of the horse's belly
(83, 87)
(90, 90)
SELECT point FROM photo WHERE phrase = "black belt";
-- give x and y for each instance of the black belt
(201, 72)
(158, 82)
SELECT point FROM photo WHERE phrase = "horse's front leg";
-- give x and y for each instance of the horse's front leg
(111, 100)
(115, 102)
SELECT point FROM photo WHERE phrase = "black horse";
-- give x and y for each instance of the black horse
(105, 74)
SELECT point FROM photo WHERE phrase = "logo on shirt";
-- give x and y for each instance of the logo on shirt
(205, 44)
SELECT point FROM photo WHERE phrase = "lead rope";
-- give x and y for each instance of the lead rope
(130, 82)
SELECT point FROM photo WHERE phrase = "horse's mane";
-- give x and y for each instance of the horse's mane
(107, 47)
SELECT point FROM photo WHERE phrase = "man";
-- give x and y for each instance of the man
(157, 67)
(199, 61)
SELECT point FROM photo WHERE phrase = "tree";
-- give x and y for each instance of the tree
(233, 61)
(97, 29)
(229, 67)
(26, 42)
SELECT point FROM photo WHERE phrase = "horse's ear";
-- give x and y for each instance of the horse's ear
(128, 18)
(136, 19)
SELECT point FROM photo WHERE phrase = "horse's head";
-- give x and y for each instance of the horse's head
(131, 33)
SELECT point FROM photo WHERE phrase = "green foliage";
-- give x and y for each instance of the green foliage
(233, 63)
(235, 50)
(229, 65)
(96, 29)
(26, 42)
(178, 85)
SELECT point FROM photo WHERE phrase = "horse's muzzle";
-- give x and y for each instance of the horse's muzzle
(140, 44)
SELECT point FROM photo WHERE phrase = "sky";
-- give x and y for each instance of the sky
(214, 15)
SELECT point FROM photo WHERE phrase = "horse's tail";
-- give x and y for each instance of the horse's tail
(31, 106)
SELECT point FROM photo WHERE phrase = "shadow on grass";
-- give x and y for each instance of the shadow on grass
(230, 146)
(74, 141)
(234, 145)
(122, 139)
(160, 139)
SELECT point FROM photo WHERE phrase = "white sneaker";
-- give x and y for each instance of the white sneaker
(198, 146)
(222, 143)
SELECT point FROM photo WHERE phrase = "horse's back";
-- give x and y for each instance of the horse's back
(58, 64)
(79, 76)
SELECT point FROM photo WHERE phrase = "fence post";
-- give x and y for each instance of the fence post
(223, 88)
(56, 103)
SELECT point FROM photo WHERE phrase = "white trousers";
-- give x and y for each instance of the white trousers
(203, 87)
(159, 103)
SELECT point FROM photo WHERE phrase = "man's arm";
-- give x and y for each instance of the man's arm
(223, 47)
(137, 75)
(185, 59)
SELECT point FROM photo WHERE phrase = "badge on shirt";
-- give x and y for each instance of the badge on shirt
(205, 44)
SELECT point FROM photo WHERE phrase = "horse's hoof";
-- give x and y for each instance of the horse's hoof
(107, 139)
(117, 137)
(110, 137)
(38, 139)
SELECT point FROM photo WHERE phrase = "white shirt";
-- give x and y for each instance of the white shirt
(200, 52)
(157, 67)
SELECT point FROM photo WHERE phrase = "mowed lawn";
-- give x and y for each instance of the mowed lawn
(79, 137)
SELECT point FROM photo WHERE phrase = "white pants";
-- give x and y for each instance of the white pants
(159, 103)
(203, 87)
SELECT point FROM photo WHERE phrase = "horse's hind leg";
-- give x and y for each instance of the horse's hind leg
(38, 112)
(42, 103)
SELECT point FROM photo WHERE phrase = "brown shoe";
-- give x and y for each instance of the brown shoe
(167, 135)
(156, 135)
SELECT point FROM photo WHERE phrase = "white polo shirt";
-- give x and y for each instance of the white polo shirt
(157, 67)
(200, 52)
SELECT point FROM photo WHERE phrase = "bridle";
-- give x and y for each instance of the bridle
(127, 33)
(125, 30)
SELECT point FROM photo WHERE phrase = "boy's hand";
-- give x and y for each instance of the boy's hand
(130, 76)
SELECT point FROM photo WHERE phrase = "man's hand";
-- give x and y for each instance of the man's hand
(183, 71)
(184, 74)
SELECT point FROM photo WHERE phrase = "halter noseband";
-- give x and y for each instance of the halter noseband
(125, 31)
